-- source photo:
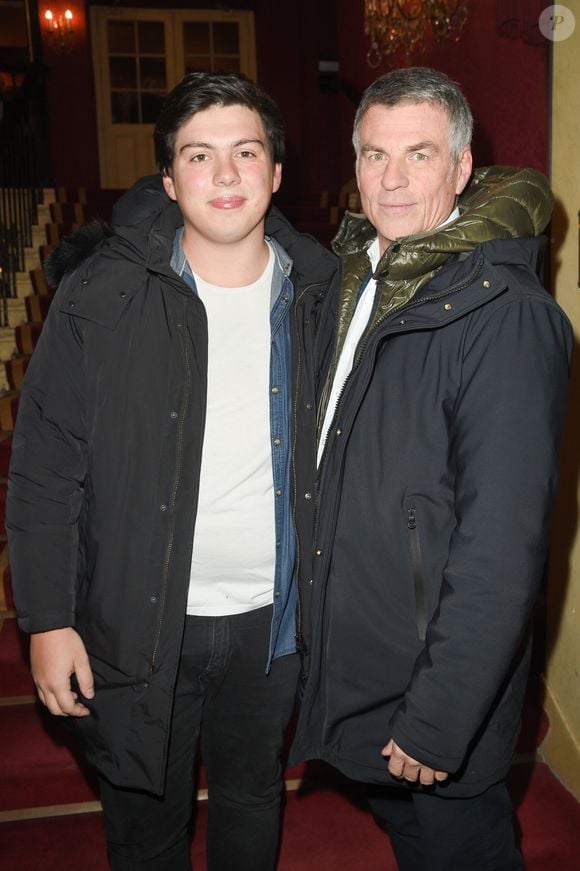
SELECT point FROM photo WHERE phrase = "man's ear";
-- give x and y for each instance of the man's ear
(464, 167)
(169, 186)
(277, 180)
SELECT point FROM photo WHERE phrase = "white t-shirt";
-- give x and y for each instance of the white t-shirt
(234, 545)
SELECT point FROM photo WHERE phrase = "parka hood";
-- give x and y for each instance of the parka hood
(74, 250)
(137, 243)
(499, 203)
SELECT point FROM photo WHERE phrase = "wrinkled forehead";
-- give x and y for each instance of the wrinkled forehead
(429, 111)
(410, 119)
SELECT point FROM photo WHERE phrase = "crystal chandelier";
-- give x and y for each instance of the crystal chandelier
(392, 25)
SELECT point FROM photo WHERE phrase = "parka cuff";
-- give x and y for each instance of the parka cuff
(32, 623)
(439, 762)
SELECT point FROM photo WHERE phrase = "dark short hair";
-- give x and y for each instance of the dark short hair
(420, 85)
(201, 90)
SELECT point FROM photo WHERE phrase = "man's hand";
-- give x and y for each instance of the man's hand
(403, 766)
(54, 657)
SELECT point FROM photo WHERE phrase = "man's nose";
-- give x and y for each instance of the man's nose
(226, 171)
(394, 175)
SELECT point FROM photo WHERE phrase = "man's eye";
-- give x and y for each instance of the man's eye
(198, 158)
(376, 156)
(247, 154)
(419, 156)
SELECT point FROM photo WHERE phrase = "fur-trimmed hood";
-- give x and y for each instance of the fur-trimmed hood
(75, 249)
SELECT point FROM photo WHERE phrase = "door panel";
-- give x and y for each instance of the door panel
(138, 56)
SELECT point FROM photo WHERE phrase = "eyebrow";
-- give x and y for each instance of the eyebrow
(423, 146)
(210, 147)
(419, 146)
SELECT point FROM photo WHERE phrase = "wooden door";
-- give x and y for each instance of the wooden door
(138, 56)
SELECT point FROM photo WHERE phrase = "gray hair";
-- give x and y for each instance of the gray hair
(420, 85)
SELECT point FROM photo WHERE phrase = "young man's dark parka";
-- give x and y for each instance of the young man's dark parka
(103, 480)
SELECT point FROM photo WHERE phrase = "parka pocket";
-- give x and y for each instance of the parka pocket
(418, 576)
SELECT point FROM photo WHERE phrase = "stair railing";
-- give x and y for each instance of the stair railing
(20, 195)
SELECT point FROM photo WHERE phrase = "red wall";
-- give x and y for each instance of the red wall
(505, 80)
(291, 38)
(71, 103)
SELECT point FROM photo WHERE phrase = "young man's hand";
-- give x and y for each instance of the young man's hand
(403, 766)
(54, 657)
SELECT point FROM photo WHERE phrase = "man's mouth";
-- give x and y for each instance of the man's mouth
(227, 202)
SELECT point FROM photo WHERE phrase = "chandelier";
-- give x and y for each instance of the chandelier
(393, 25)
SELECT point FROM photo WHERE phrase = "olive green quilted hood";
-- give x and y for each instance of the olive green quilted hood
(499, 203)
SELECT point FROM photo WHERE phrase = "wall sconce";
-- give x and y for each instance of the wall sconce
(59, 27)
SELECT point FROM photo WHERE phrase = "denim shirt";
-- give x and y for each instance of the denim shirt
(283, 631)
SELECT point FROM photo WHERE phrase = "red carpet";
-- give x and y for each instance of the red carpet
(39, 764)
(549, 820)
(15, 678)
(324, 829)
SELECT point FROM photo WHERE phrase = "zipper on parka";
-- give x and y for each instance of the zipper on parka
(418, 578)
(360, 352)
(411, 522)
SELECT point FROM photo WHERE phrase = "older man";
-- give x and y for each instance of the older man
(439, 428)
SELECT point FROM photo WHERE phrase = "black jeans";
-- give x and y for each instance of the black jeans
(429, 833)
(224, 694)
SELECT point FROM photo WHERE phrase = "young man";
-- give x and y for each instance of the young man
(439, 431)
(153, 471)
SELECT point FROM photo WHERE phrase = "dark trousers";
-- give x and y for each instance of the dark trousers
(429, 833)
(224, 694)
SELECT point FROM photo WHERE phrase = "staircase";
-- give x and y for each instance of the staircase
(27, 294)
